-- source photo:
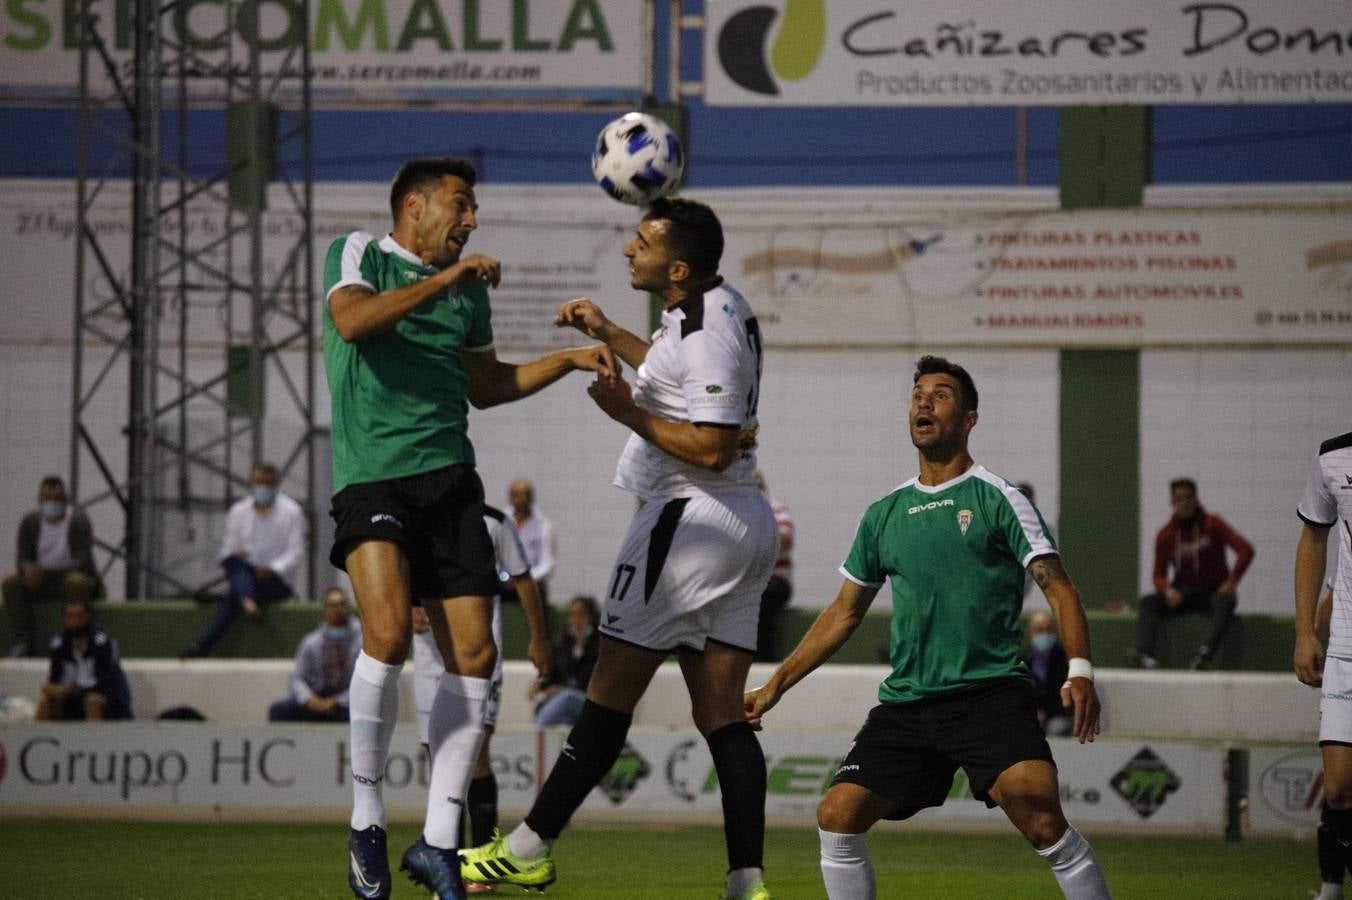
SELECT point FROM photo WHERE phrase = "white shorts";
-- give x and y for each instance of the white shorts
(1335, 701)
(690, 570)
(427, 669)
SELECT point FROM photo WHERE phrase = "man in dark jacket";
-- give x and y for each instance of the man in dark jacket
(1050, 667)
(86, 680)
(55, 562)
(1192, 574)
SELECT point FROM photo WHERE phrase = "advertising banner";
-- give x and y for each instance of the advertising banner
(821, 269)
(1053, 53)
(1286, 789)
(667, 772)
(362, 51)
(1119, 278)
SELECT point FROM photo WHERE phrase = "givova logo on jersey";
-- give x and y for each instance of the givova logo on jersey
(926, 507)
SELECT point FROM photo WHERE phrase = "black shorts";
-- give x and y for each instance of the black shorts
(437, 518)
(908, 752)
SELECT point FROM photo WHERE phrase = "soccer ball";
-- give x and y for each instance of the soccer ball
(637, 159)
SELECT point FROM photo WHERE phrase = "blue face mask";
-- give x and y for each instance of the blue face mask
(53, 510)
(263, 495)
(1043, 641)
(336, 632)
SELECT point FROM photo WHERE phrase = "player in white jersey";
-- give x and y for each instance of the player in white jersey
(481, 799)
(697, 556)
(1326, 509)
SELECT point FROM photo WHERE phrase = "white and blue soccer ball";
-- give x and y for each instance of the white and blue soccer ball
(637, 159)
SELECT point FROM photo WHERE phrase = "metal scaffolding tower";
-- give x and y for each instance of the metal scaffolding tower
(217, 298)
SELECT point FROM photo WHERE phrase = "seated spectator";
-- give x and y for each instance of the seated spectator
(264, 542)
(1047, 662)
(86, 680)
(1192, 574)
(559, 698)
(537, 537)
(56, 562)
(323, 670)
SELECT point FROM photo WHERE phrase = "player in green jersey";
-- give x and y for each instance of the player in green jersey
(954, 542)
(408, 346)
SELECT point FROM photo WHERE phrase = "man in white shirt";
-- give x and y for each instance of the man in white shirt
(263, 545)
(536, 533)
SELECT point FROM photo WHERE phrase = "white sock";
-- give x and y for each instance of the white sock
(742, 880)
(455, 729)
(1330, 891)
(373, 705)
(427, 669)
(847, 869)
(524, 842)
(1076, 868)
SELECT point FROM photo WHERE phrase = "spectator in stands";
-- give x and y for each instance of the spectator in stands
(779, 590)
(537, 536)
(559, 698)
(56, 562)
(1192, 574)
(323, 670)
(85, 680)
(1050, 667)
(264, 542)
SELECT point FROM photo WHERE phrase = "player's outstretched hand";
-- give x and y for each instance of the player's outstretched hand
(585, 316)
(1078, 694)
(1309, 661)
(757, 702)
(613, 395)
(597, 358)
(475, 268)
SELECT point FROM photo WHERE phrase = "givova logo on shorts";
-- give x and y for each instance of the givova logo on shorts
(1145, 782)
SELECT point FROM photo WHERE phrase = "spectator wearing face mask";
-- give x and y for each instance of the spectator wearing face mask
(55, 562)
(323, 670)
(264, 543)
(559, 699)
(1047, 662)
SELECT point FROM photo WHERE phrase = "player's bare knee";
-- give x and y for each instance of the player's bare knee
(835, 813)
(386, 642)
(477, 661)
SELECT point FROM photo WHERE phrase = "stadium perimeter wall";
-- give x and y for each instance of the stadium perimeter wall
(1230, 754)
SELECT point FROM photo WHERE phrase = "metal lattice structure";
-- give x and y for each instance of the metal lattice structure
(216, 300)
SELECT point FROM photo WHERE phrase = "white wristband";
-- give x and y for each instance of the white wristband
(1080, 668)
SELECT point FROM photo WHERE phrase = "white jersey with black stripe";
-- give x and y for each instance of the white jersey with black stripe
(1327, 503)
(704, 366)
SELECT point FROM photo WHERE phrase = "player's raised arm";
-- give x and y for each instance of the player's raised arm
(1078, 693)
(492, 381)
(587, 317)
(827, 635)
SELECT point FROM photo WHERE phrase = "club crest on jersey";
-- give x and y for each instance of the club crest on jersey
(964, 519)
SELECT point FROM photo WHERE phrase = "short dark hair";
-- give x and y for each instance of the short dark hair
(589, 603)
(1182, 483)
(695, 236)
(52, 481)
(937, 365)
(423, 175)
(267, 470)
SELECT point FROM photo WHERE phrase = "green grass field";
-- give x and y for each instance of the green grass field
(126, 861)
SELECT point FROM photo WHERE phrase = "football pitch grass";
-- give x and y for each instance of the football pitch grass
(203, 861)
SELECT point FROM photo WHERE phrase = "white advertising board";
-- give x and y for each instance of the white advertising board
(1054, 52)
(661, 772)
(362, 52)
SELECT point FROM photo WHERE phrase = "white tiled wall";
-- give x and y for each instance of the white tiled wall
(1245, 425)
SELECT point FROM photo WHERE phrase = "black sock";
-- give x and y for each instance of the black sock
(588, 754)
(481, 804)
(1338, 823)
(740, 764)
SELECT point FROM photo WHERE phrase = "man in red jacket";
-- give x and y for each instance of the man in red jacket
(1192, 574)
